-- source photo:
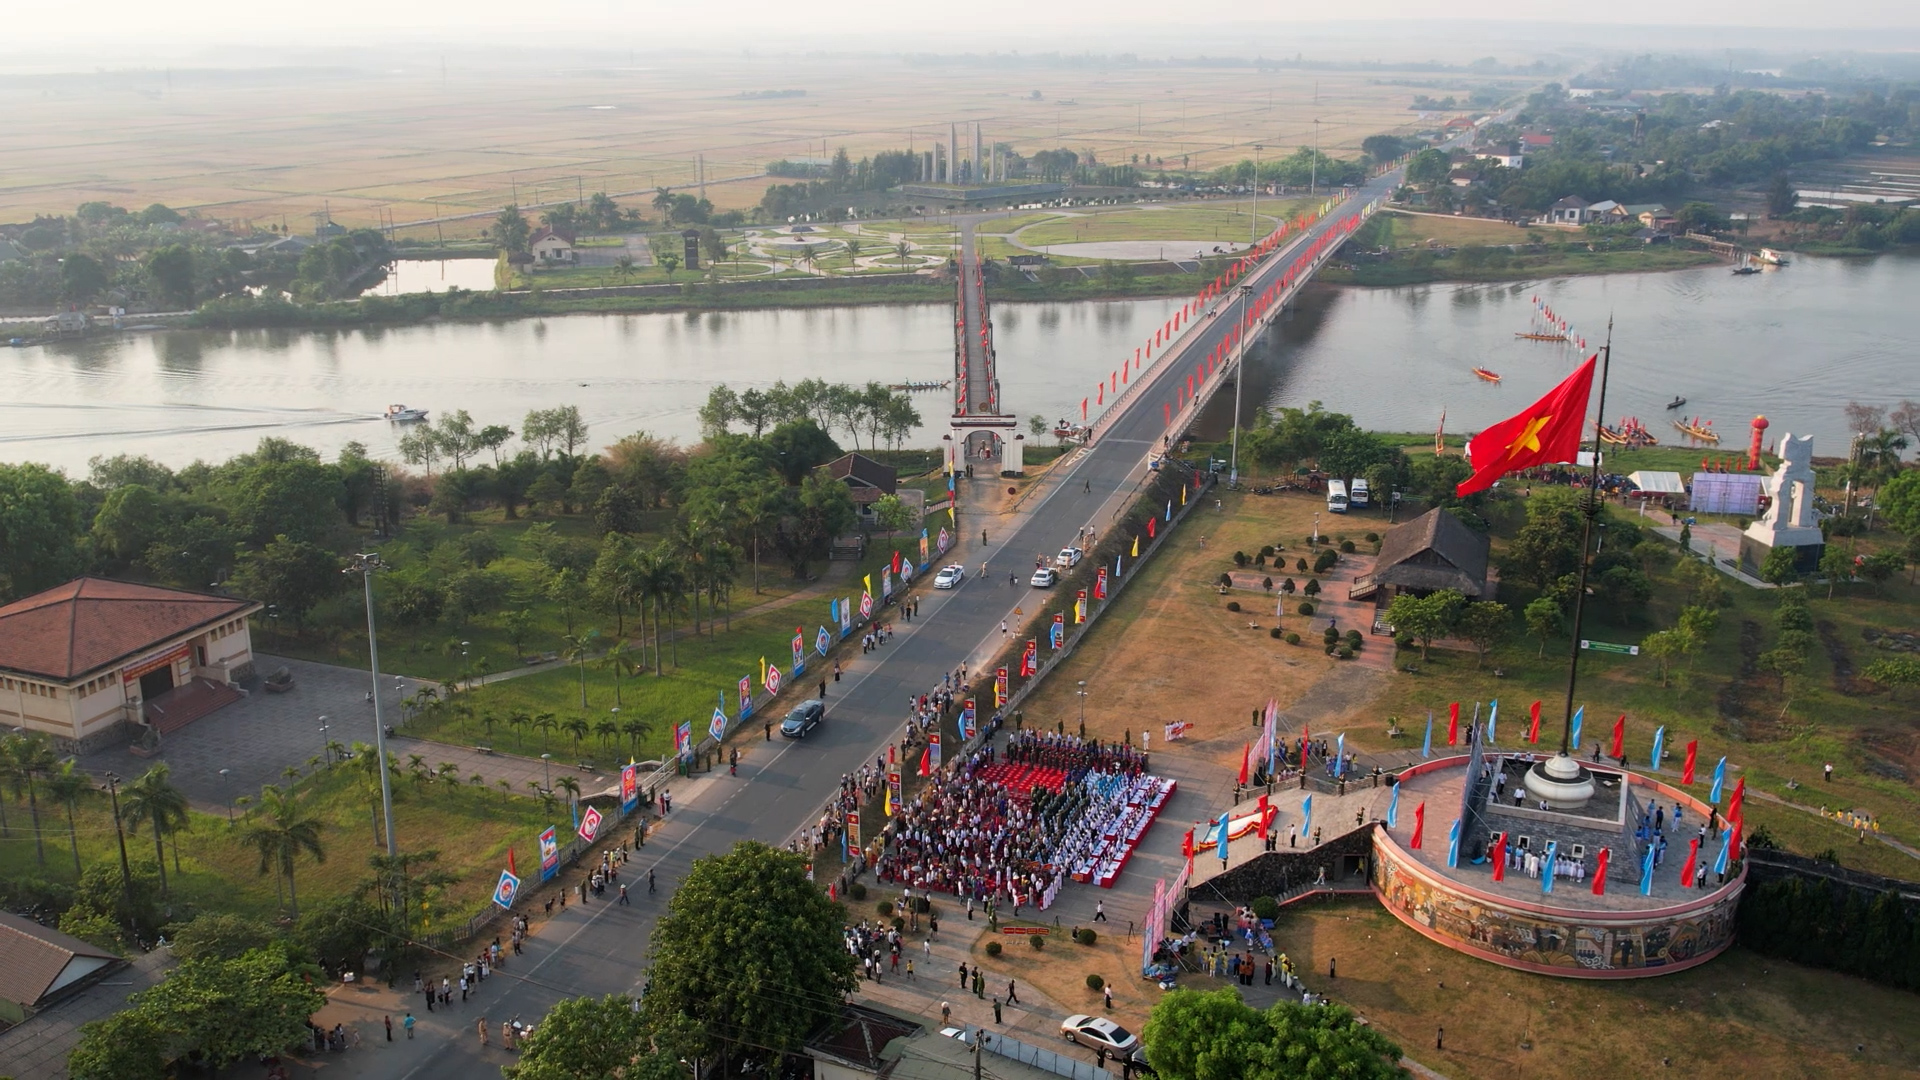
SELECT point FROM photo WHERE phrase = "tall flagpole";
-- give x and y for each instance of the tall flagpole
(1560, 781)
(1587, 514)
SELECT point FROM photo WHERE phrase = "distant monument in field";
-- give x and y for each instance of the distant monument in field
(1789, 521)
(949, 172)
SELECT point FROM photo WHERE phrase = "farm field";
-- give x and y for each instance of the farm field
(410, 143)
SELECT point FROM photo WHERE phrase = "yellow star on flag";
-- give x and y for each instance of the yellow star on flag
(1529, 437)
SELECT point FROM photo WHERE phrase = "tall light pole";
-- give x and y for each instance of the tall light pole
(224, 773)
(1253, 230)
(126, 872)
(1313, 169)
(546, 762)
(365, 564)
(1239, 379)
(325, 751)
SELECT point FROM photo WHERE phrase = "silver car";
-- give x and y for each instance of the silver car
(1099, 1033)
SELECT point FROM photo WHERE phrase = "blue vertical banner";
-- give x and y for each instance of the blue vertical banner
(1426, 745)
(1220, 840)
(1659, 745)
(1726, 852)
(1393, 807)
(1646, 872)
(1340, 755)
(1719, 779)
(1546, 866)
(1306, 819)
(1579, 718)
(1493, 718)
(1453, 843)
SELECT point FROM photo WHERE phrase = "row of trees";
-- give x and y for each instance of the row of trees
(882, 415)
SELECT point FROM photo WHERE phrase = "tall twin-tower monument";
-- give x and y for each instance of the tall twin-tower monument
(944, 164)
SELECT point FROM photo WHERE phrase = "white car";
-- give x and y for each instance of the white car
(1068, 558)
(1044, 578)
(1099, 1033)
(949, 576)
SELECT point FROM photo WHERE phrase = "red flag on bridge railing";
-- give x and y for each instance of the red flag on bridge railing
(1102, 400)
(1167, 408)
(1083, 410)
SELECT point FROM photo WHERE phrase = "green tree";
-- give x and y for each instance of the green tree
(170, 270)
(582, 1038)
(1777, 568)
(40, 530)
(756, 894)
(1547, 547)
(511, 231)
(1664, 646)
(1544, 620)
(1424, 618)
(1782, 663)
(1485, 625)
(152, 800)
(82, 278)
(1214, 1035)
(65, 784)
(219, 935)
(293, 575)
(27, 760)
(810, 517)
(1836, 565)
(1781, 196)
(1894, 673)
(281, 828)
(1428, 167)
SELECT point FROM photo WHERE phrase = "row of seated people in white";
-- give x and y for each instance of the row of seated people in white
(1531, 862)
(1121, 810)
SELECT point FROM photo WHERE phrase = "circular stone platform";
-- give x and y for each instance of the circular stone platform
(1569, 932)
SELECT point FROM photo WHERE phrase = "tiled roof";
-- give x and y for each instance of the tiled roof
(32, 958)
(865, 470)
(1434, 551)
(89, 623)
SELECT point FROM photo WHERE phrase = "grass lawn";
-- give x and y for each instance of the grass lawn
(1622, 260)
(995, 247)
(1015, 223)
(1396, 229)
(1684, 460)
(1196, 223)
(470, 826)
(1741, 1015)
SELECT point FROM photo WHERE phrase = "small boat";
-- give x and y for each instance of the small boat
(1631, 432)
(1541, 337)
(1487, 375)
(1771, 257)
(915, 387)
(1745, 266)
(1676, 402)
(1065, 430)
(404, 415)
(1696, 430)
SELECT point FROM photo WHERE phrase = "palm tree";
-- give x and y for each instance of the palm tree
(647, 578)
(635, 729)
(366, 766)
(506, 787)
(476, 780)
(487, 720)
(518, 720)
(545, 724)
(663, 202)
(153, 799)
(579, 648)
(449, 773)
(28, 757)
(575, 726)
(607, 729)
(619, 659)
(900, 249)
(571, 786)
(10, 774)
(623, 266)
(280, 830)
(65, 784)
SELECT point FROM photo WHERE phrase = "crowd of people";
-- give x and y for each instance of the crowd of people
(1073, 755)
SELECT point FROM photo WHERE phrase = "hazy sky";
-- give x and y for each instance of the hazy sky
(1006, 24)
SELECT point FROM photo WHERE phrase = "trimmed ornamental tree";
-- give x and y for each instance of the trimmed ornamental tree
(1214, 1035)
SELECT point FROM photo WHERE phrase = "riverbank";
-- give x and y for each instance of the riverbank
(1479, 265)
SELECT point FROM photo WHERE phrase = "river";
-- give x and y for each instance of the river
(1795, 344)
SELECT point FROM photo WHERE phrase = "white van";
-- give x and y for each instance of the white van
(1358, 498)
(1336, 496)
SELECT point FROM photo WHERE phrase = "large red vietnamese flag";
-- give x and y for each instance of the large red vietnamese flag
(1546, 432)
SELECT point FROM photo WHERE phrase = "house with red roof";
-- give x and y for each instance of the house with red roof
(95, 662)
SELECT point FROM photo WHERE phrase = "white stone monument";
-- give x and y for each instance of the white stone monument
(1789, 520)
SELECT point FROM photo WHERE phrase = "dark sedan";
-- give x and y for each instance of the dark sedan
(804, 718)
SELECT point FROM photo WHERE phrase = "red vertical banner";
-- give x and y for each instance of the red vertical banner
(1453, 724)
(1686, 769)
(1101, 394)
(1419, 825)
(1500, 858)
(1533, 732)
(1619, 737)
(1600, 872)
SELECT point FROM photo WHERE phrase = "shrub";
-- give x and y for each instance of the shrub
(1313, 587)
(1259, 560)
(1330, 636)
(1324, 561)
(1266, 907)
(1305, 608)
(1373, 538)
(1354, 638)
(1346, 546)
(1292, 638)
(1329, 650)
(885, 908)
(1095, 982)
(1289, 587)
(1267, 552)
(1226, 581)
(1037, 942)
(1239, 558)
(1233, 605)
(1267, 584)
(1274, 632)
(858, 890)
(1301, 565)
(1344, 653)
(1403, 640)
(1086, 935)
(993, 948)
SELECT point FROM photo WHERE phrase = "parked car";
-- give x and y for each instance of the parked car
(804, 718)
(949, 576)
(1044, 578)
(1099, 1033)
(1068, 558)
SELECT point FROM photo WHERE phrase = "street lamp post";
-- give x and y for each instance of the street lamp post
(126, 872)
(546, 762)
(365, 564)
(325, 750)
(1316, 526)
(1253, 230)
(1239, 378)
(228, 785)
(1083, 708)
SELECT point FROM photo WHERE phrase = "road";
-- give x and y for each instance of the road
(600, 948)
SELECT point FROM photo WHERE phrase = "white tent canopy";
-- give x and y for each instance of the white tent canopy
(1650, 482)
